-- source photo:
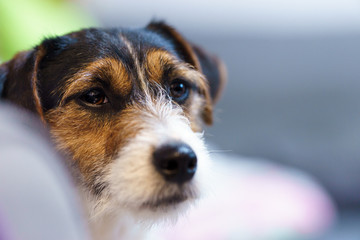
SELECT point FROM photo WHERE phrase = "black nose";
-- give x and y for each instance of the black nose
(176, 162)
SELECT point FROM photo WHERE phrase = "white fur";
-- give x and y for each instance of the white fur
(133, 180)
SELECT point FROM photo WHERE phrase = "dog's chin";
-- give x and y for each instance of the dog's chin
(162, 210)
(164, 203)
(170, 202)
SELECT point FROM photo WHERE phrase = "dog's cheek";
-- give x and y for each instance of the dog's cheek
(88, 140)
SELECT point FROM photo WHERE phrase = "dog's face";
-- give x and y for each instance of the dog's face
(126, 107)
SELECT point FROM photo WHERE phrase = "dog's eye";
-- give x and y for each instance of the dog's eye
(95, 97)
(179, 90)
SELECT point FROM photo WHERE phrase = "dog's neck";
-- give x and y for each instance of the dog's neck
(111, 227)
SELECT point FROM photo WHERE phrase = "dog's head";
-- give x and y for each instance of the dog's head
(126, 107)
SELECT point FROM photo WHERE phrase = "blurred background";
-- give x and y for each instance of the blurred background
(293, 78)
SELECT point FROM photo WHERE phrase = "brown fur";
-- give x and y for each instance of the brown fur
(110, 69)
(91, 141)
(92, 137)
(94, 140)
(156, 63)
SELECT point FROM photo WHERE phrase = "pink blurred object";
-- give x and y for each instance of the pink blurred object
(254, 199)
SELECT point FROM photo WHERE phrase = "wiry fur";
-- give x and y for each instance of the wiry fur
(134, 184)
(109, 148)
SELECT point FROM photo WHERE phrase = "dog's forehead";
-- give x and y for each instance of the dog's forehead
(123, 58)
(115, 43)
(134, 51)
(140, 55)
(143, 39)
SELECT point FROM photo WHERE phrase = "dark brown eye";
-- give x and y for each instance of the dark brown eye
(179, 90)
(94, 97)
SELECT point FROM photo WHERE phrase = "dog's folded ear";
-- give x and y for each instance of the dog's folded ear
(214, 70)
(182, 47)
(16, 76)
(3, 75)
(211, 66)
(19, 76)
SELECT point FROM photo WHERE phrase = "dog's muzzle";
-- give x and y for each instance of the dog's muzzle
(176, 162)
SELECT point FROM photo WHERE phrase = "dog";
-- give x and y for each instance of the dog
(126, 107)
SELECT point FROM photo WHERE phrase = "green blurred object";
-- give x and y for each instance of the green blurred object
(24, 23)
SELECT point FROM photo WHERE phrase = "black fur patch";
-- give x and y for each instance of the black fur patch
(2, 80)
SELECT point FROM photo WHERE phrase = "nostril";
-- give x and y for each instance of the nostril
(169, 165)
(192, 165)
(191, 162)
(176, 162)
